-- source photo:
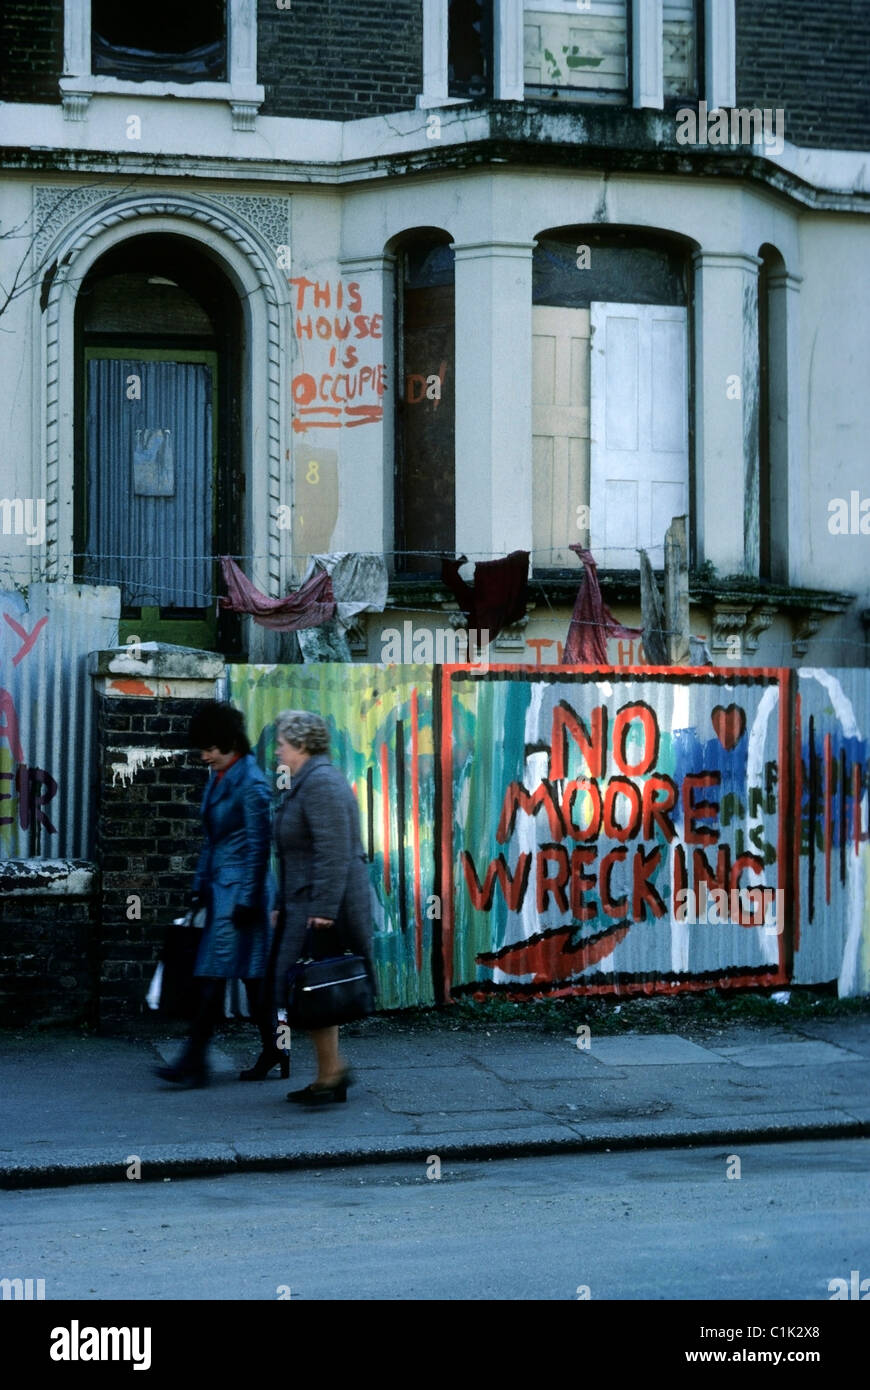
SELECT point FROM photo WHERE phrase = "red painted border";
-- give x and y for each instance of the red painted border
(710, 673)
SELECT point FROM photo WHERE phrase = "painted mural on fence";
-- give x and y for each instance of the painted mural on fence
(832, 850)
(620, 833)
(380, 721)
(561, 831)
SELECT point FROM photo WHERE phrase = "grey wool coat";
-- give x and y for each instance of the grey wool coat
(322, 871)
(233, 869)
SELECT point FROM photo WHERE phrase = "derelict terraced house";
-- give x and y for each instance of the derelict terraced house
(422, 278)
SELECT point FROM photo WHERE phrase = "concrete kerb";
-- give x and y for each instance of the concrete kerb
(213, 1160)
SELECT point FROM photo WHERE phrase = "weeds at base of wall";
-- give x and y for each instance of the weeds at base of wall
(709, 1011)
(705, 1012)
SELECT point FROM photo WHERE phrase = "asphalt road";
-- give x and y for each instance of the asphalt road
(668, 1224)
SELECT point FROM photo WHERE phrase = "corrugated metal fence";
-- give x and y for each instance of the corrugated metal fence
(541, 833)
(46, 724)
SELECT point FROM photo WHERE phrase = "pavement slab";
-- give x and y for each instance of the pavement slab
(645, 1050)
(78, 1108)
(788, 1054)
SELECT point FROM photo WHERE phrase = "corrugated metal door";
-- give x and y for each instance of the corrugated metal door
(149, 479)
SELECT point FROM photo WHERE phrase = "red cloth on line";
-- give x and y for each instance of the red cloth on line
(308, 606)
(592, 621)
(497, 596)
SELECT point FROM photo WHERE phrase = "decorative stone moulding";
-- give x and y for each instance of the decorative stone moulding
(76, 105)
(512, 638)
(245, 115)
(757, 623)
(252, 227)
(729, 621)
(805, 629)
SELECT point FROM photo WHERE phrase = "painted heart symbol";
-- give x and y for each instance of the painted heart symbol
(729, 725)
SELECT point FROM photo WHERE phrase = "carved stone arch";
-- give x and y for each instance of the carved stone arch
(250, 263)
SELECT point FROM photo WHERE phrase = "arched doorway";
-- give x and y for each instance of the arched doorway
(159, 481)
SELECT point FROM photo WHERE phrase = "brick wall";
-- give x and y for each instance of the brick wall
(344, 59)
(31, 50)
(340, 60)
(48, 942)
(813, 60)
(148, 839)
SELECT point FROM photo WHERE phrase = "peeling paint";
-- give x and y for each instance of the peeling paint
(66, 877)
(136, 759)
(132, 687)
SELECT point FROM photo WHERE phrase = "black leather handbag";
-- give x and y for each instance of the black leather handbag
(330, 990)
(179, 993)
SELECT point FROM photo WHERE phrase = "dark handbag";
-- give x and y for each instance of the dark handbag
(335, 989)
(178, 989)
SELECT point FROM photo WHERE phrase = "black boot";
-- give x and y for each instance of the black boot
(264, 1015)
(191, 1066)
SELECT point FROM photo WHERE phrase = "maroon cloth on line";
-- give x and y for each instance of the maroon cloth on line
(308, 606)
(497, 596)
(592, 621)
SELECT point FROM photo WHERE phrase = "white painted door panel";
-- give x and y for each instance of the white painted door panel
(639, 441)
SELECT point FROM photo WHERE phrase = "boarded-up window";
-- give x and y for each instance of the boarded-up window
(425, 477)
(571, 51)
(681, 48)
(560, 433)
(610, 442)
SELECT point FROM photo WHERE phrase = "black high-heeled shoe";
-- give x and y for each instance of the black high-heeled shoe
(265, 1063)
(321, 1095)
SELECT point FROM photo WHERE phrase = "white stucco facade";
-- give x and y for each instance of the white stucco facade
(333, 199)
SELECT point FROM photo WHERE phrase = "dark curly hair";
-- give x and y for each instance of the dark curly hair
(215, 725)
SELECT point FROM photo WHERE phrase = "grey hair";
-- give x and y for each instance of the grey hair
(304, 730)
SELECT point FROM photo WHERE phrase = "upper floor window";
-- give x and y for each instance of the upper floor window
(469, 48)
(682, 50)
(160, 40)
(610, 394)
(204, 50)
(425, 475)
(580, 50)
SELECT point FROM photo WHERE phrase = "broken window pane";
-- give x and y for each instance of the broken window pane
(680, 59)
(160, 41)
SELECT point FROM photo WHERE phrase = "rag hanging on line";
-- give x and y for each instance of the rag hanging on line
(592, 621)
(310, 605)
(495, 598)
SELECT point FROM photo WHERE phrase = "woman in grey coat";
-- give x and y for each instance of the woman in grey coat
(323, 881)
(232, 884)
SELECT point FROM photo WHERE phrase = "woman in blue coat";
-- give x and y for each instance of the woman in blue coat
(232, 884)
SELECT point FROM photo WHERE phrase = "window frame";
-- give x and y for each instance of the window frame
(79, 83)
(715, 48)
